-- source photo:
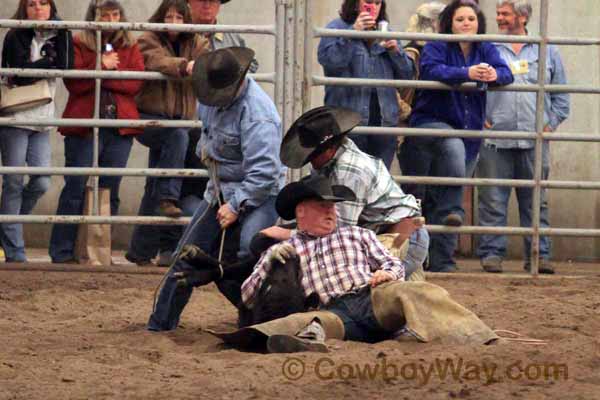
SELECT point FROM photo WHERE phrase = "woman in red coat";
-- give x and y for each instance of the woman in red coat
(117, 101)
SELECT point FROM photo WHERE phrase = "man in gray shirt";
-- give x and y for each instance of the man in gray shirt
(205, 12)
(514, 158)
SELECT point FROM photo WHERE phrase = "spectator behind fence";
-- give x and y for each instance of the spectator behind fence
(424, 20)
(173, 54)
(371, 59)
(515, 159)
(205, 12)
(117, 101)
(29, 145)
(240, 143)
(450, 63)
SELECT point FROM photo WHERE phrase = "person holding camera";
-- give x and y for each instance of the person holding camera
(370, 59)
(117, 101)
(29, 145)
(452, 63)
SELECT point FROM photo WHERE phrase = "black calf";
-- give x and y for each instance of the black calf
(280, 295)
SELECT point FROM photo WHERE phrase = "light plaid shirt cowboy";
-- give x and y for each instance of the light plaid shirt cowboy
(331, 265)
(379, 199)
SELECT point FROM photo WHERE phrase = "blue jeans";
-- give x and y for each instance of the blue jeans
(418, 248)
(356, 312)
(113, 152)
(493, 200)
(205, 234)
(168, 147)
(443, 157)
(20, 148)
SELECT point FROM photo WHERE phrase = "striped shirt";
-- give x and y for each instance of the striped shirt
(331, 265)
(379, 199)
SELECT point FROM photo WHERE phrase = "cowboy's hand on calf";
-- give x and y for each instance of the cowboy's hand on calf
(281, 252)
(190, 251)
(380, 277)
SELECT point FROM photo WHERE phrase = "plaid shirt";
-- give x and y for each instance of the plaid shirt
(331, 265)
(379, 199)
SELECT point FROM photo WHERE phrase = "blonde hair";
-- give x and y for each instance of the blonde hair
(118, 38)
(425, 18)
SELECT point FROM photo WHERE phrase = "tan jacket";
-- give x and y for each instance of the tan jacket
(172, 98)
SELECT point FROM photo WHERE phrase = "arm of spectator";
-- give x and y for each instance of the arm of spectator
(158, 58)
(127, 86)
(85, 59)
(64, 49)
(402, 65)
(433, 66)
(559, 102)
(504, 75)
(335, 53)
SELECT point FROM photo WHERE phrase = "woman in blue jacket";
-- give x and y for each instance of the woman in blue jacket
(452, 63)
(371, 59)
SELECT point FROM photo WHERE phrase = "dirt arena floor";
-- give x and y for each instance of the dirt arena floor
(80, 335)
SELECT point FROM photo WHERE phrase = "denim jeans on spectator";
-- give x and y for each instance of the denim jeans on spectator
(20, 148)
(497, 163)
(204, 231)
(442, 157)
(168, 147)
(113, 152)
(418, 248)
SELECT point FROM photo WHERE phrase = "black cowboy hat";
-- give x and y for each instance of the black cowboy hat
(309, 187)
(313, 130)
(218, 75)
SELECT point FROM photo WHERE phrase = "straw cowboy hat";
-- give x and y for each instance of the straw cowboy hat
(218, 75)
(309, 187)
(312, 131)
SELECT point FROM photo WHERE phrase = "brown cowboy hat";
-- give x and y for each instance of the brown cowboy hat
(313, 130)
(218, 75)
(309, 187)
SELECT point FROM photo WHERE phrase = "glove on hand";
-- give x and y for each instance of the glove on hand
(281, 252)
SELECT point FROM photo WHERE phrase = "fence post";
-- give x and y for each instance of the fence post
(539, 141)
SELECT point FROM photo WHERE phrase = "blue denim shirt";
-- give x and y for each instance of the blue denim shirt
(515, 111)
(244, 138)
(351, 58)
(445, 62)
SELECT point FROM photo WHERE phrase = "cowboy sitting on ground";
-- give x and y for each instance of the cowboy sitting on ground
(320, 137)
(358, 281)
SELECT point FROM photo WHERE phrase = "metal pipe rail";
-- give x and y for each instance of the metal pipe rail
(135, 220)
(441, 37)
(138, 26)
(318, 80)
(103, 123)
(78, 171)
(91, 219)
(268, 77)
